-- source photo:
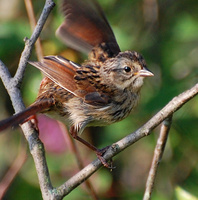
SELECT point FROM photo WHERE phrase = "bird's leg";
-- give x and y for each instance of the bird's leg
(99, 152)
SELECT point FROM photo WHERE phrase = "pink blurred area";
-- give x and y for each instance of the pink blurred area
(53, 134)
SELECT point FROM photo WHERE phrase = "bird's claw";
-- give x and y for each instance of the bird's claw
(100, 153)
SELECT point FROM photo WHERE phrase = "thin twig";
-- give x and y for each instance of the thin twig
(159, 150)
(71, 143)
(29, 43)
(81, 166)
(32, 20)
(13, 171)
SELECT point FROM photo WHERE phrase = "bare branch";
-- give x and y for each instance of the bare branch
(13, 91)
(5, 75)
(165, 112)
(12, 86)
(38, 154)
(159, 150)
(32, 20)
(80, 163)
(36, 146)
(119, 146)
(29, 43)
(13, 170)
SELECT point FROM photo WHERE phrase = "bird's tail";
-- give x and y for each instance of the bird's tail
(26, 115)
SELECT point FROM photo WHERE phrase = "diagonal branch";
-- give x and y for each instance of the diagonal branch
(36, 146)
(29, 43)
(13, 170)
(119, 146)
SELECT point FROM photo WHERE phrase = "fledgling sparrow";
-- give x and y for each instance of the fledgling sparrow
(101, 91)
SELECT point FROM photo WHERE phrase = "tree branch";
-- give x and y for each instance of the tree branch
(32, 20)
(29, 43)
(36, 146)
(13, 170)
(159, 150)
(119, 146)
(12, 85)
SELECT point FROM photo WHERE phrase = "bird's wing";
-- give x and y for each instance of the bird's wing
(59, 70)
(63, 72)
(85, 26)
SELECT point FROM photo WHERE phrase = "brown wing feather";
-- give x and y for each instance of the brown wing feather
(88, 81)
(85, 26)
(59, 70)
(71, 77)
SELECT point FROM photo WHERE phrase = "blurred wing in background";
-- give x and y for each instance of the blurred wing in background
(85, 26)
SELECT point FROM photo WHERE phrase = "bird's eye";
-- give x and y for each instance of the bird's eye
(127, 69)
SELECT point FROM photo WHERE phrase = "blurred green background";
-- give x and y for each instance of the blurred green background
(166, 33)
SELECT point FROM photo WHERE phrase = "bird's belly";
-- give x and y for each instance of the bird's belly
(100, 115)
(81, 114)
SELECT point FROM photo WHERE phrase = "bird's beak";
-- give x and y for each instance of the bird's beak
(144, 73)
